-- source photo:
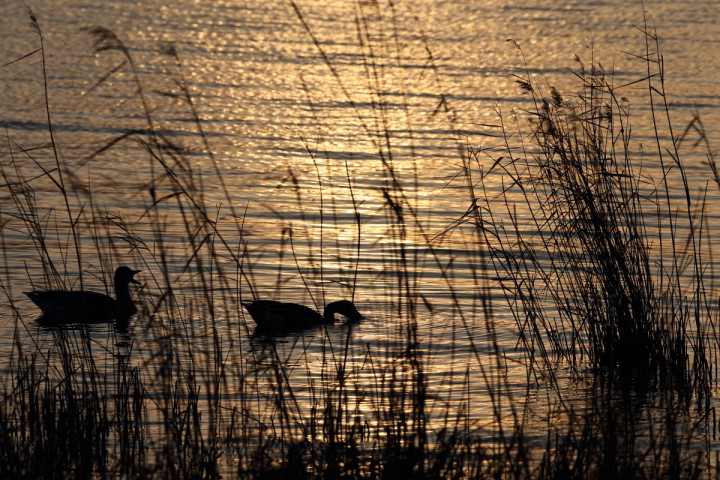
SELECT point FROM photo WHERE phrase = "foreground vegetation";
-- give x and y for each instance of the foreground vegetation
(604, 271)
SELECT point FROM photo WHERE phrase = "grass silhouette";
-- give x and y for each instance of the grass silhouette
(602, 267)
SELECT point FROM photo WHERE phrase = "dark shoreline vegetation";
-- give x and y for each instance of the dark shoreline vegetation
(603, 264)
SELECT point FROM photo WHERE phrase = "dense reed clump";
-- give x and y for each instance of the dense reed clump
(601, 262)
(595, 279)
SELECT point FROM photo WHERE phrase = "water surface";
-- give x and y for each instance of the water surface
(298, 135)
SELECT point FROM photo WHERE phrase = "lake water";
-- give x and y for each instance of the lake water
(305, 141)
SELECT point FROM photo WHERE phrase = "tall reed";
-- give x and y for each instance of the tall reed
(187, 390)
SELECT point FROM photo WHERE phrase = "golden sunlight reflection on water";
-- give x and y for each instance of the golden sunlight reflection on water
(345, 166)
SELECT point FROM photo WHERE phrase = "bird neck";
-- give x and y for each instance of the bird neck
(329, 314)
(122, 293)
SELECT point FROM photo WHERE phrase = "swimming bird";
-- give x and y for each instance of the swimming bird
(61, 306)
(282, 316)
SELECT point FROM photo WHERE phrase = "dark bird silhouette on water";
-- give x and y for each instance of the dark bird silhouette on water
(272, 316)
(62, 306)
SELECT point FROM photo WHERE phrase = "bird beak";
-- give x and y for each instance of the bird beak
(132, 280)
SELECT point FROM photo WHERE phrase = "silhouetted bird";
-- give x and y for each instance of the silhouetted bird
(61, 306)
(274, 316)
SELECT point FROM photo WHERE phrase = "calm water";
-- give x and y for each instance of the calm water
(266, 98)
(275, 114)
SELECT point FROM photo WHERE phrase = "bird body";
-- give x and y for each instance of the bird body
(275, 316)
(60, 306)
